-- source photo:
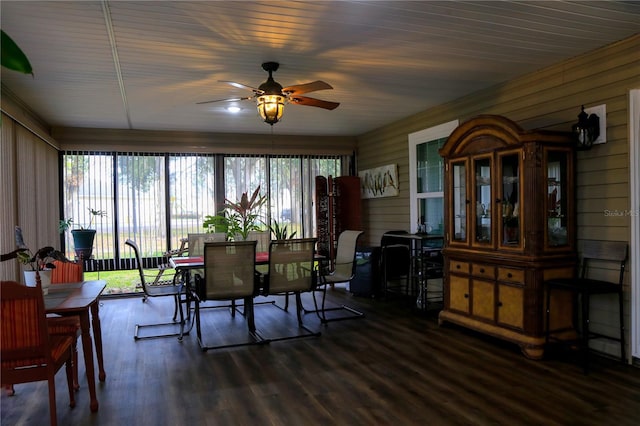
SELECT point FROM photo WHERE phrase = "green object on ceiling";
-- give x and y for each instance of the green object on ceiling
(13, 57)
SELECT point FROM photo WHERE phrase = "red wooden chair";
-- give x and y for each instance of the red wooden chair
(29, 353)
(67, 272)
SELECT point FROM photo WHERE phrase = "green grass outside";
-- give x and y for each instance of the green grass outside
(118, 282)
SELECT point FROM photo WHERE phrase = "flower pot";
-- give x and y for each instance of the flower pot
(83, 242)
(45, 279)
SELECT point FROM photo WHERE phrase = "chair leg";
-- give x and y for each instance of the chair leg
(180, 324)
(10, 390)
(248, 308)
(298, 307)
(585, 331)
(70, 384)
(548, 316)
(299, 311)
(182, 320)
(248, 314)
(175, 308)
(321, 312)
(76, 383)
(52, 400)
(622, 339)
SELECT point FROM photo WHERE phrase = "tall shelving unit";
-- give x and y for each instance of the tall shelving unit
(338, 208)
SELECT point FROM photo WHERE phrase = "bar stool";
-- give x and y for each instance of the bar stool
(583, 287)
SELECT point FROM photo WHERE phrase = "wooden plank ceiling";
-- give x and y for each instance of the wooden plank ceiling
(145, 65)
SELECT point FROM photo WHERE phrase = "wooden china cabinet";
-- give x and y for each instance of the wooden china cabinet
(510, 224)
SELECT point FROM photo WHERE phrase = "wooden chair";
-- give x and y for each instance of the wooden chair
(291, 270)
(343, 271)
(174, 290)
(586, 285)
(229, 274)
(67, 272)
(29, 353)
(68, 326)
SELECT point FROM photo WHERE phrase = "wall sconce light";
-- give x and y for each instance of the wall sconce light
(586, 130)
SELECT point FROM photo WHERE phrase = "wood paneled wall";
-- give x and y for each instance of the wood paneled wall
(544, 99)
(549, 98)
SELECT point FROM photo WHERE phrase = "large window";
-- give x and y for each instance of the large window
(426, 178)
(157, 199)
(191, 194)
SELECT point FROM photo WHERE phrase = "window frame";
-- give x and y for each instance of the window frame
(427, 135)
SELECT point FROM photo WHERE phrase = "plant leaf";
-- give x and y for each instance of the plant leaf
(12, 56)
(19, 238)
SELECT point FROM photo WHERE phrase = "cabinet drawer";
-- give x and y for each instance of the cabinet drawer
(459, 267)
(459, 294)
(484, 271)
(511, 275)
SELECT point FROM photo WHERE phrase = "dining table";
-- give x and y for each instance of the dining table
(197, 262)
(82, 299)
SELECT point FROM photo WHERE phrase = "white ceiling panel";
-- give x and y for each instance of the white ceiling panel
(145, 64)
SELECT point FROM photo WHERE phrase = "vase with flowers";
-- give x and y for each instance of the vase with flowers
(38, 263)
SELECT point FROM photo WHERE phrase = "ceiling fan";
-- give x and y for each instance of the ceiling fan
(270, 96)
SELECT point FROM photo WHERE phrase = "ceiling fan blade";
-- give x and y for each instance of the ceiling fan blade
(224, 100)
(307, 87)
(241, 86)
(303, 100)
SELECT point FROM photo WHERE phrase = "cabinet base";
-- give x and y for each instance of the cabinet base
(531, 347)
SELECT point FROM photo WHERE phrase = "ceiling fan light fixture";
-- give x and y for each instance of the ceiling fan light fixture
(270, 96)
(270, 108)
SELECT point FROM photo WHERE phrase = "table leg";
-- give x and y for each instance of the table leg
(97, 337)
(87, 348)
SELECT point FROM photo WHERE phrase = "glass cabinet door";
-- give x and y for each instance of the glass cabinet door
(556, 200)
(483, 205)
(508, 200)
(459, 201)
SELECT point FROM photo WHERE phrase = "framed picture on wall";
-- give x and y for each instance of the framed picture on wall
(379, 182)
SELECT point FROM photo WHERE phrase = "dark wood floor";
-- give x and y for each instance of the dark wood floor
(392, 367)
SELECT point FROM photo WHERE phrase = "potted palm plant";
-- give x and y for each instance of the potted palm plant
(280, 232)
(239, 218)
(83, 237)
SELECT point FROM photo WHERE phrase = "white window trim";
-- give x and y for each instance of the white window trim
(415, 139)
(634, 186)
